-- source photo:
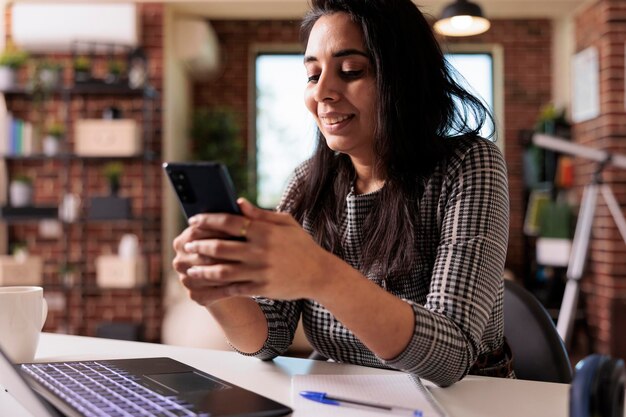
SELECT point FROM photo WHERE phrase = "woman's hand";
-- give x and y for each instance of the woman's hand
(201, 292)
(278, 259)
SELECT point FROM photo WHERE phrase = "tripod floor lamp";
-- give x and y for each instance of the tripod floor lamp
(582, 234)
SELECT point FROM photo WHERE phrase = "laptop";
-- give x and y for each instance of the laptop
(129, 387)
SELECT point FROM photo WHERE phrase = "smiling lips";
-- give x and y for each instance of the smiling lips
(334, 122)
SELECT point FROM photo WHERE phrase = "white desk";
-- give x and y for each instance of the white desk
(472, 397)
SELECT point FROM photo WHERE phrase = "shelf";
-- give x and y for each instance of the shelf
(148, 156)
(70, 173)
(95, 88)
(37, 157)
(92, 290)
(34, 213)
(26, 91)
(101, 88)
(131, 221)
(12, 218)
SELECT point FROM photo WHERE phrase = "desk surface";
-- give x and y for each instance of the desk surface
(471, 397)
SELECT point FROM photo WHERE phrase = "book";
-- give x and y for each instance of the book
(401, 389)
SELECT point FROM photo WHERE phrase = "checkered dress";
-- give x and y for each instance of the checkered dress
(454, 286)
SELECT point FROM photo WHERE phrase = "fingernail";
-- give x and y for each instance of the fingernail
(194, 271)
(190, 247)
(193, 220)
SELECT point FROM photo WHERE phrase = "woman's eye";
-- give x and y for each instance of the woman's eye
(313, 78)
(352, 73)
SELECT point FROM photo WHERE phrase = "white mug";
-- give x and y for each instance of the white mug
(68, 210)
(23, 312)
(129, 246)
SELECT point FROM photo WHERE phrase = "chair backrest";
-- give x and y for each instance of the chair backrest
(538, 351)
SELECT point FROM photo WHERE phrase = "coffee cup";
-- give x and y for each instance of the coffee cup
(23, 312)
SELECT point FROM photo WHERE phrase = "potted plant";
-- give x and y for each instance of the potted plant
(113, 171)
(52, 141)
(11, 59)
(82, 69)
(21, 191)
(215, 134)
(111, 206)
(67, 273)
(115, 68)
(19, 250)
(49, 74)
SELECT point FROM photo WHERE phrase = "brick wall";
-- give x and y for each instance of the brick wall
(603, 25)
(80, 308)
(527, 84)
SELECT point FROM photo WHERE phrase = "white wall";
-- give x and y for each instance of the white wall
(177, 106)
(562, 52)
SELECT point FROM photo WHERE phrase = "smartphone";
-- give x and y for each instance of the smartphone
(202, 187)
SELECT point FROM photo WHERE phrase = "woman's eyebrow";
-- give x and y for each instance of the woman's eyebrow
(339, 54)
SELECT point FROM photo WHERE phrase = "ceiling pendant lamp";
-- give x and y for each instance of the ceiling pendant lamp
(462, 18)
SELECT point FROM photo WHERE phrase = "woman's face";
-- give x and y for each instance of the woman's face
(341, 88)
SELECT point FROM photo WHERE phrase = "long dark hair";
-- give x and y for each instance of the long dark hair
(420, 107)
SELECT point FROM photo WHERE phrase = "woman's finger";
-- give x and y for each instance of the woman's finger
(221, 225)
(258, 214)
(184, 261)
(195, 283)
(207, 296)
(225, 273)
(224, 250)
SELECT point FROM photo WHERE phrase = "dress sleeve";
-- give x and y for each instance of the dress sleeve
(282, 316)
(467, 272)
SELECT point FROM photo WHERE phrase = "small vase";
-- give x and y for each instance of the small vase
(81, 76)
(20, 193)
(112, 78)
(50, 78)
(114, 187)
(8, 78)
(51, 145)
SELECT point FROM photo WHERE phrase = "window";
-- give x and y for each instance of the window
(476, 70)
(285, 131)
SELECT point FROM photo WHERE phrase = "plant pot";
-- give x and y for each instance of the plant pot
(112, 78)
(8, 78)
(51, 145)
(50, 78)
(114, 188)
(20, 194)
(81, 76)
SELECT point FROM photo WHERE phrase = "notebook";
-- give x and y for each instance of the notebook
(129, 387)
(400, 389)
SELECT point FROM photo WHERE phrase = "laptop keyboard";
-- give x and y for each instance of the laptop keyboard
(98, 389)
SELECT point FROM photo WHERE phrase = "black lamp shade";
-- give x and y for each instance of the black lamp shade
(462, 18)
(461, 8)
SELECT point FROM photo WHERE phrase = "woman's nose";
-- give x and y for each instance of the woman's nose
(326, 89)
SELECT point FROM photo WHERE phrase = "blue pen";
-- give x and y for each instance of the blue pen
(322, 397)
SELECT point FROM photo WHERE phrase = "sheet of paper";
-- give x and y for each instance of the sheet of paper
(399, 390)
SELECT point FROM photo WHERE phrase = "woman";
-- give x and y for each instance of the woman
(390, 241)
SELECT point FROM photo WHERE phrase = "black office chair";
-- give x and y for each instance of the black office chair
(538, 351)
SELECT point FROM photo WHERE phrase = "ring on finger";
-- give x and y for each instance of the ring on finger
(243, 232)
